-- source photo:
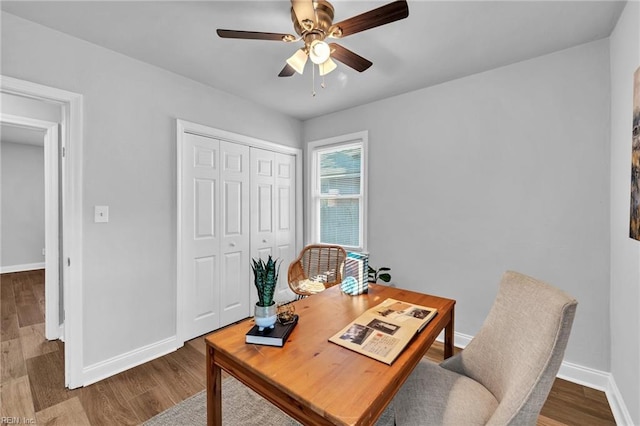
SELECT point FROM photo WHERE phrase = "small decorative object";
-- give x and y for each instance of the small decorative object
(379, 274)
(265, 276)
(286, 313)
(355, 270)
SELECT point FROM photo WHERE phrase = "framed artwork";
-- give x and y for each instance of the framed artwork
(634, 226)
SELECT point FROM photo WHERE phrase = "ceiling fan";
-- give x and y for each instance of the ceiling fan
(313, 22)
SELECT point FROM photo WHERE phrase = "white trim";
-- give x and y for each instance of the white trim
(52, 231)
(343, 140)
(585, 376)
(52, 226)
(21, 268)
(616, 402)
(107, 368)
(61, 332)
(182, 127)
(71, 186)
(223, 135)
(601, 381)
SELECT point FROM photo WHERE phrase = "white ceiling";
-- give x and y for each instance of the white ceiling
(438, 42)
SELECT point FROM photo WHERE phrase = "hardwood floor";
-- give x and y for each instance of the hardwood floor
(32, 375)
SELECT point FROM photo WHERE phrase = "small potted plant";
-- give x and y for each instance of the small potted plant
(379, 274)
(265, 278)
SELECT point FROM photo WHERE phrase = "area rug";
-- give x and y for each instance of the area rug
(240, 406)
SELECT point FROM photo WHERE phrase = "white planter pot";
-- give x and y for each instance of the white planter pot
(266, 316)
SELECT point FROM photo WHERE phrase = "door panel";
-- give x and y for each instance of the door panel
(235, 290)
(233, 208)
(265, 209)
(262, 189)
(232, 283)
(284, 203)
(204, 208)
(200, 241)
(285, 237)
(273, 212)
(205, 272)
(262, 214)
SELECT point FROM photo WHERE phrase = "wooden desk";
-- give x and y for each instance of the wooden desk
(315, 381)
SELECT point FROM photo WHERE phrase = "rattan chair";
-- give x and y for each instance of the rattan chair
(317, 268)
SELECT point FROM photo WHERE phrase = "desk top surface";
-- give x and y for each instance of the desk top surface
(341, 385)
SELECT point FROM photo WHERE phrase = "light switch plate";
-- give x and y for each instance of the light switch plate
(101, 214)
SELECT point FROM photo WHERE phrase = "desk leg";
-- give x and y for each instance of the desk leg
(448, 337)
(214, 391)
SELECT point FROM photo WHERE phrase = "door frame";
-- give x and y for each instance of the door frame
(182, 127)
(53, 328)
(71, 128)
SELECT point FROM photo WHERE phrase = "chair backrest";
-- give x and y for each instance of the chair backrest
(319, 262)
(519, 349)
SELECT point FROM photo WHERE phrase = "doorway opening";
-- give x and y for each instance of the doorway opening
(31, 207)
(65, 156)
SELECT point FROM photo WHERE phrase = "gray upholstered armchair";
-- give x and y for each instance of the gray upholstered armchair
(504, 375)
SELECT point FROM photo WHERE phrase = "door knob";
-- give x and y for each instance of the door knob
(232, 244)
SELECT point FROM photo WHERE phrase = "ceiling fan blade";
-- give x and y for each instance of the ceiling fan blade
(349, 58)
(383, 15)
(253, 35)
(304, 10)
(287, 71)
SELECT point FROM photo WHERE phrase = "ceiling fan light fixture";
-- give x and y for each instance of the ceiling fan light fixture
(327, 66)
(319, 52)
(298, 60)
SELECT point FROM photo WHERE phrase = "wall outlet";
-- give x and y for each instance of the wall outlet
(44, 252)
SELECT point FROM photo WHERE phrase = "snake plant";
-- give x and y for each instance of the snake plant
(265, 279)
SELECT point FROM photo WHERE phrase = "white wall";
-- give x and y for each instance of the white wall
(130, 165)
(625, 252)
(22, 190)
(501, 170)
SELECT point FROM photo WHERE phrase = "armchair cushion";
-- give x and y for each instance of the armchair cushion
(474, 404)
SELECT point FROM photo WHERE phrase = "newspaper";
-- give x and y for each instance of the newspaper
(382, 332)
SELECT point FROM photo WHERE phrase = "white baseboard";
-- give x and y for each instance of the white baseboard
(585, 376)
(579, 374)
(602, 381)
(21, 268)
(120, 363)
(618, 407)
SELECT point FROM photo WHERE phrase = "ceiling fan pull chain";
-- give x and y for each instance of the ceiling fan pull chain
(313, 80)
(322, 84)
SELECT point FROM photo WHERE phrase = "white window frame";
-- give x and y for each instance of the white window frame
(313, 198)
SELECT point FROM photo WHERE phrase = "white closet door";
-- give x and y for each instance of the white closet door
(285, 219)
(262, 207)
(200, 234)
(235, 236)
(273, 212)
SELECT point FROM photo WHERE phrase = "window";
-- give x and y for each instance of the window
(338, 181)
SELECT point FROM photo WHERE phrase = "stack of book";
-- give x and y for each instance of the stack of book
(276, 336)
